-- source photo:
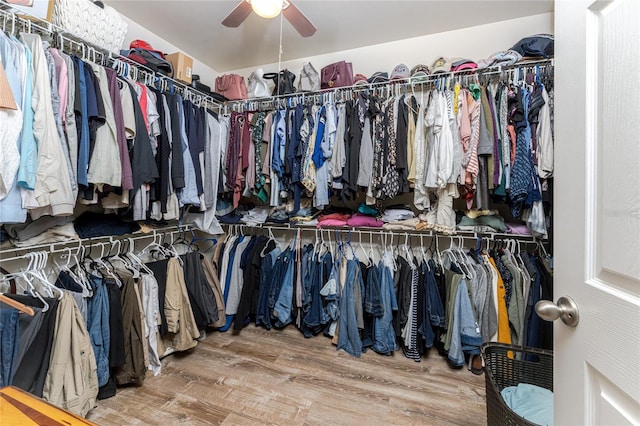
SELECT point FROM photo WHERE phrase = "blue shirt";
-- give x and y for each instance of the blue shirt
(82, 124)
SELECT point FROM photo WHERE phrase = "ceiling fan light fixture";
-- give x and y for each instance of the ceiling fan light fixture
(267, 8)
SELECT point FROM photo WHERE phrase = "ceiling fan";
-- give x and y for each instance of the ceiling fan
(271, 9)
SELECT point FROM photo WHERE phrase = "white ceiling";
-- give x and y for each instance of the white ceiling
(194, 25)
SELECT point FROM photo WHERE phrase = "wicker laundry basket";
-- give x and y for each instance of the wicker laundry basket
(507, 365)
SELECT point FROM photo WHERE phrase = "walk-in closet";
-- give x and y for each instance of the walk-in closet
(319, 212)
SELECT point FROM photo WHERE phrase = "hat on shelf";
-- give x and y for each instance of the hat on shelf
(461, 64)
(359, 79)
(379, 77)
(141, 44)
(400, 72)
(441, 64)
(420, 72)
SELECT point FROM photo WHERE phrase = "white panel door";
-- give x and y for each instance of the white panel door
(597, 211)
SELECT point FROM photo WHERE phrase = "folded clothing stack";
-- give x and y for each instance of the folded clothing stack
(491, 223)
(395, 213)
(91, 224)
(412, 224)
(47, 229)
(278, 216)
(256, 216)
(333, 219)
(304, 215)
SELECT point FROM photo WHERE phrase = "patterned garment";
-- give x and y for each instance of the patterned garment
(411, 350)
(391, 181)
(233, 152)
(308, 166)
(506, 276)
(378, 149)
(522, 170)
(256, 137)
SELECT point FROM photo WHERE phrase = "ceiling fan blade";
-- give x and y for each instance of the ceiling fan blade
(300, 22)
(238, 15)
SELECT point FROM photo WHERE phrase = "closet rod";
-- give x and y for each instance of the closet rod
(411, 81)
(469, 235)
(64, 246)
(35, 25)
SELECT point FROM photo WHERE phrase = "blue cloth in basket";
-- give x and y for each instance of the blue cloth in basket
(531, 402)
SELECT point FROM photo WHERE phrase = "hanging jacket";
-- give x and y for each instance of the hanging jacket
(134, 369)
(211, 269)
(181, 325)
(72, 381)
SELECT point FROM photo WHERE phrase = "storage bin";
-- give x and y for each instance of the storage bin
(507, 365)
(103, 27)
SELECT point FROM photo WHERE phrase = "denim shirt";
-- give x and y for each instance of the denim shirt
(283, 305)
(267, 272)
(465, 336)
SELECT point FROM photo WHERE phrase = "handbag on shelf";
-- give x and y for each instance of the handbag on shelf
(257, 86)
(283, 82)
(309, 80)
(231, 86)
(338, 74)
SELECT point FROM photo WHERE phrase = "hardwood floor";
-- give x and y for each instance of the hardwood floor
(279, 377)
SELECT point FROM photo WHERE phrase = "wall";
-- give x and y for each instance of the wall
(136, 31)
(473, 43)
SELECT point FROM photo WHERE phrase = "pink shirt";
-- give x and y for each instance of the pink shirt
(63, 82)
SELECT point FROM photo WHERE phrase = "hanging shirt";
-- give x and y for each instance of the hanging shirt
(28, 144)
(53, 194)
(11, 122)
(104, 165)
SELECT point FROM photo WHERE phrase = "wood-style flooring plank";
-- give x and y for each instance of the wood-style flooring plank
(279, 377)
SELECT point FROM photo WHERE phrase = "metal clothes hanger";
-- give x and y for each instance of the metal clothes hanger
(117, 244)
(135, 259)
(77, 275)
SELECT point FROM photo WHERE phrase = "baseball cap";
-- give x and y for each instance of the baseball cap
(359, 79)
(420, 72)
(141, 44)
(400, 72)
(441, 64)
(379, 77)
(461, 64)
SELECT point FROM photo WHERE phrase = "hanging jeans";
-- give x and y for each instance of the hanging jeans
(330, 294)
(348, 333)
(384, 334)
(9, 341)
(373, 295)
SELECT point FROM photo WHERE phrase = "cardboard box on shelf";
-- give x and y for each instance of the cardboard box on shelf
(182, 66)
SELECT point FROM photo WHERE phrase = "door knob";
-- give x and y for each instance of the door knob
(566, 309)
